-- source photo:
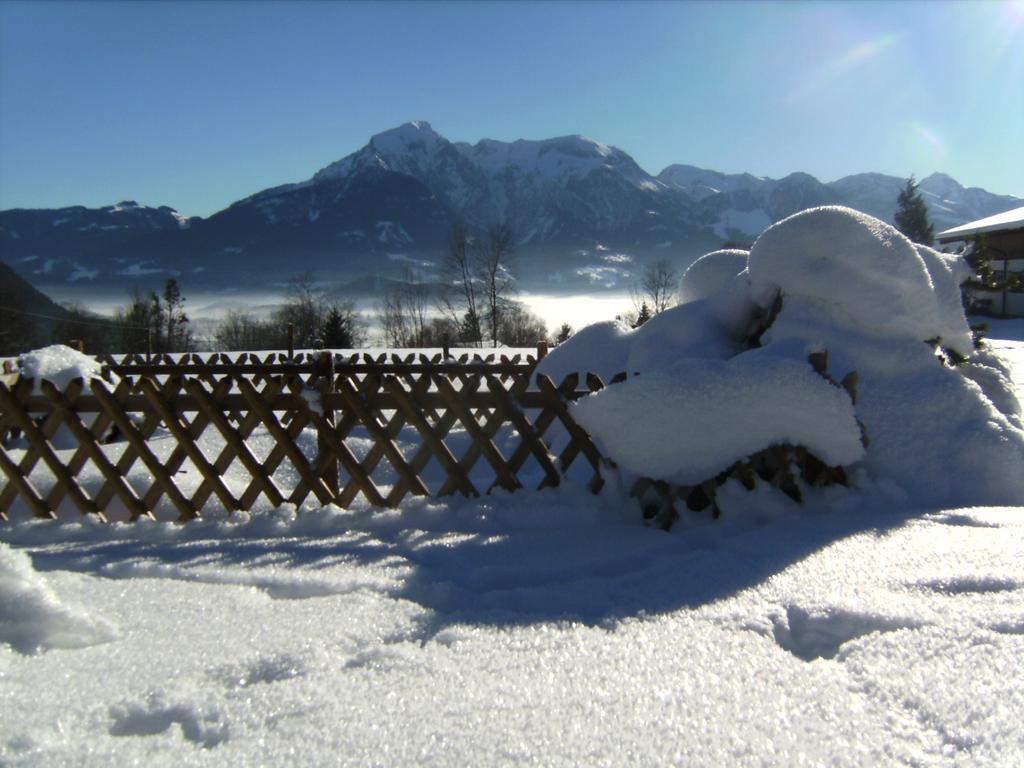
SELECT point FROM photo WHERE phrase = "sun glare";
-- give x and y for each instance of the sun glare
(846, 61)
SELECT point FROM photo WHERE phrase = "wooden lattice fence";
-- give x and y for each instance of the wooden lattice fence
(183, 438)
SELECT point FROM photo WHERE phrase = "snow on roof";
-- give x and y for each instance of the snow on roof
(1012, 219)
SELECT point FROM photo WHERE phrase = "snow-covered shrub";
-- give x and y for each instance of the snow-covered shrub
(711, 273)
(726, 375)
(860, 271)
(687, 423)
(58, 364)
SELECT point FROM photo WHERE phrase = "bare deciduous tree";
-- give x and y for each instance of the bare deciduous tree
(404, 313)
(493, 270)
(520, 327)
(316, 319)
(240, 331)
(478, 280)
(656, 288)
(459, 302)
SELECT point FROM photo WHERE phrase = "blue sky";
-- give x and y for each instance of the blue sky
(196, 105)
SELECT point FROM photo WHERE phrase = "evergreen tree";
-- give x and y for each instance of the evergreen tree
(912, 215)
(643, 315)
(469, 328)
(337, 331)
(564, 333)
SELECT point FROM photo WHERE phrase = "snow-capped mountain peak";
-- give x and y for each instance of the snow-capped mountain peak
(412, 137)
(397, 196)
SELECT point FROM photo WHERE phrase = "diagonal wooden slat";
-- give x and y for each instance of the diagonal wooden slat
(21, 391)
(572, 450)
(235, 446)
(39, 441)
(137, 441)
(392, 429)
(89, 446)
(77, 461)
(248, 424)
(359, 480)
(441, 428)
(128, 457)
(434, 442)
(180, 452)
(579, 437)
(68, 418)
(186, 441)
(20, 484)
(526, 433)
(384, 440)
(492, 422)
(482, 441)
(309, 478)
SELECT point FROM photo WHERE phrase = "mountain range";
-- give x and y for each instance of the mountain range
(585, 215)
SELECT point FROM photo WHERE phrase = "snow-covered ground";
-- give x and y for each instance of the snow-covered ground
(871, 625)
(542, 628)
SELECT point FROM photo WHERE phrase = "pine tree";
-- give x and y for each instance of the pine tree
(912, 215)
(337, 330)
(643, 315)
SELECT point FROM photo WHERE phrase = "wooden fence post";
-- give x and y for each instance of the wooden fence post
(324, 372)
(542, 350)
(291, 342)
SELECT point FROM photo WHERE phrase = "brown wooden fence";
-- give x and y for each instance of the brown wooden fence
(183, 438)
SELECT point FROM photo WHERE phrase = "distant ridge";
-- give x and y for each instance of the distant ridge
(585, 215)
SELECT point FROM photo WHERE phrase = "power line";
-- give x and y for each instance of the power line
(75, 319)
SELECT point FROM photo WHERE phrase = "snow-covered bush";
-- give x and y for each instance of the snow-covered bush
(689, 422)
(726, 374)
(711, 273)
(58, 364)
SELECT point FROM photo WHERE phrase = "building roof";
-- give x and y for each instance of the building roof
(1007, 220)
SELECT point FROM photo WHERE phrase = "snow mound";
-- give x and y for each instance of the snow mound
(863, 270)
(711, 273)
(713, 328)
(58, 364)
(710, 328)
(601, 348)
(34, 619)
(712, 389)
(948, 272)
(691, 422)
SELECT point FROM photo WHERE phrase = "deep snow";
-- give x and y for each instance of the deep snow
(876, 625)
(546, 628)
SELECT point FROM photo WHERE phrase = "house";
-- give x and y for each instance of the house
(1002, 238)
